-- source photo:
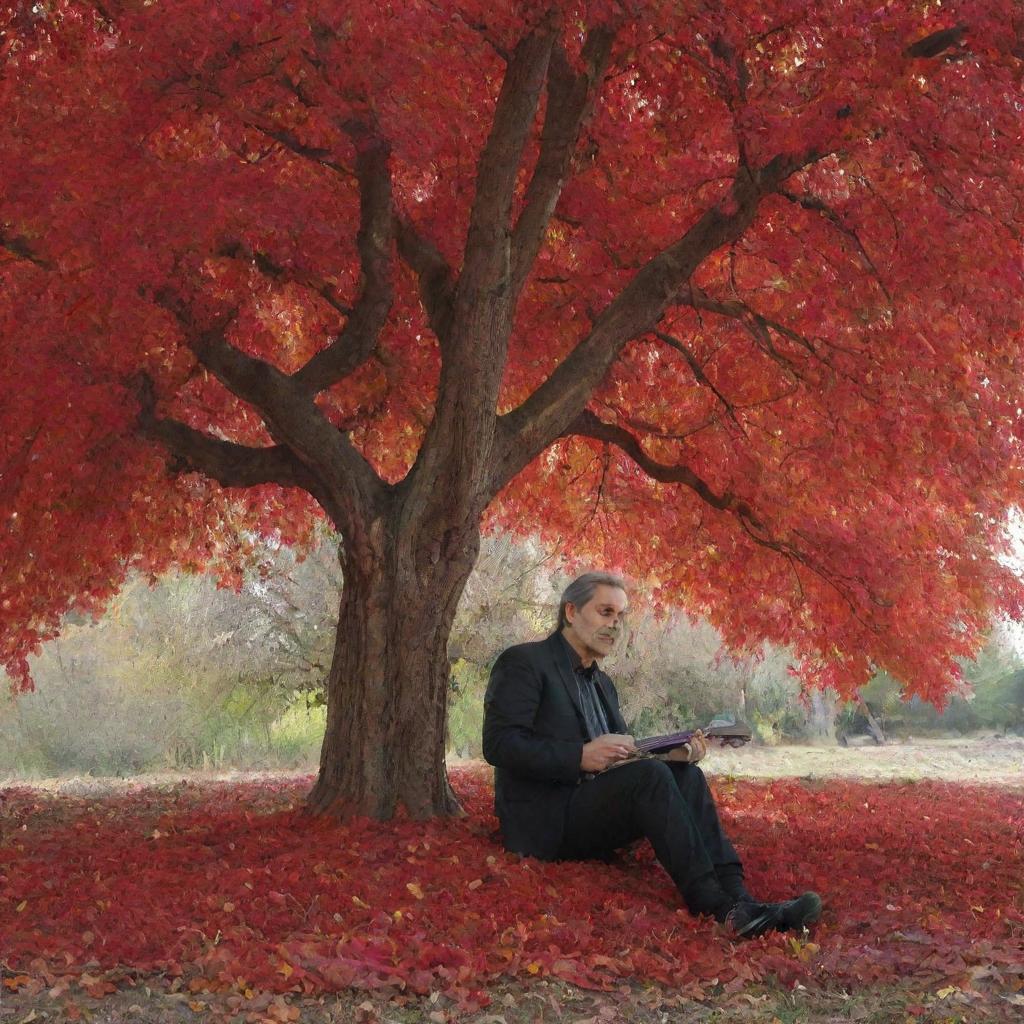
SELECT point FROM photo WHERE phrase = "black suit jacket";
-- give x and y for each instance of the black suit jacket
(534, 735)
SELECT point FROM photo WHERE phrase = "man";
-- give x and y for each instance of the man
(564, 784)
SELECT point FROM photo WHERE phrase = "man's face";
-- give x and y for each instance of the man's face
(593, 628)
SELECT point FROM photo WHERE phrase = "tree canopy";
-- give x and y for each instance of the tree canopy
(730, 291)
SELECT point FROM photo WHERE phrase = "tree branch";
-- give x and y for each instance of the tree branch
(230, 464)
(811, 202)
(546, 414)
(269, 268)
(756, 324)
(293, 145)
(19, 248)
(937, 42)
(587, 424)
(699, 375)
(290, 414)
(437, 282)
(486, 266)
(356, 342)
(457, 443)
(570, 100)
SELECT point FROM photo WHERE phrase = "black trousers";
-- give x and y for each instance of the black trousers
(672, 806)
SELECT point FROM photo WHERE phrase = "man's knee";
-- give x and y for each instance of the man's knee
(688, 776)
(650, 776)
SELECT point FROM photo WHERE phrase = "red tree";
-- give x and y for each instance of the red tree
(725, 294)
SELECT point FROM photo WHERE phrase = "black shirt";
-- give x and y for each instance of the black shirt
(595, 716)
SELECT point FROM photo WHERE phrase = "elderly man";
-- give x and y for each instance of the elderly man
(553, 729)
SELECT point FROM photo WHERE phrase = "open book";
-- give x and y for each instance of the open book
(729, 734)
(732, 734)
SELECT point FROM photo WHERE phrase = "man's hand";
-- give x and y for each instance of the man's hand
(606, 750)
(691, 752)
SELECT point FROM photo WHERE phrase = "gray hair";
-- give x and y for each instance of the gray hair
(581, 590)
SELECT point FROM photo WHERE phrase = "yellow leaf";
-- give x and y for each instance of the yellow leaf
(286, 969)
(196, 1005)
(21, 906)
(359, 903)
(415, 890)
(475, 884)
(228, 907)
(945, 993)
(533, 968)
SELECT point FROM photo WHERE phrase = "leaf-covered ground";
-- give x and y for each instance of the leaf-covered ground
(227, 897)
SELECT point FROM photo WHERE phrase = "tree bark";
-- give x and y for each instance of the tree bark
(874, 726)
(387, 690)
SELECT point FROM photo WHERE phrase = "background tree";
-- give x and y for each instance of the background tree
(728, 295)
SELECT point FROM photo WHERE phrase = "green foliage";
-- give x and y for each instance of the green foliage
(184, 674)
(296, 734)
(180, 675)
(466, 708)
(991, 699)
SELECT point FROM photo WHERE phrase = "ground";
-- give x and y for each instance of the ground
(170, 899)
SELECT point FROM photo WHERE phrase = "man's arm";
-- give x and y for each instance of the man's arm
(510, 740)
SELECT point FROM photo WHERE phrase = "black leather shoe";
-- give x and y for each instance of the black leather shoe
(749, 919)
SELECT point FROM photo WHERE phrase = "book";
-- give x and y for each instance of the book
(731, 734)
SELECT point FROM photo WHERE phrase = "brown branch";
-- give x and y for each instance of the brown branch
(699, 375)
(569, 104)
(276, 272)
(289, 412)
(756, 324)
(230, 464)
(818, 205)
(19, 247)
(354, 345)
(587, 424)
(486, 265)
(547, 412)
(436, 280)
(483, 304)
(316, 154)
(937, 42)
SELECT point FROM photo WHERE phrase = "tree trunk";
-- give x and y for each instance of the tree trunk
(821, 723)
(387, 690)
(874, 726)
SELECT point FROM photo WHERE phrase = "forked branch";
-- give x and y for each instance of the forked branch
(587, 424)
(486, 266)
(548, 411)
(818, 205)
(570, 99)
(289, 412)
(357, 340)
(229, 463)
